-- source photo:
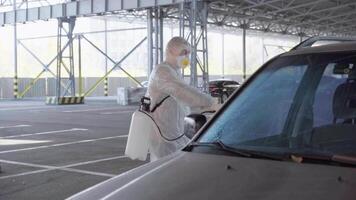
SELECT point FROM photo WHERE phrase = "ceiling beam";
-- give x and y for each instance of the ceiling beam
(289, 8)
(319, 11)
(311, 22)
(342, 22)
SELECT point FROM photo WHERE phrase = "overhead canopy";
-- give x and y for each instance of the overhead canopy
(310, 17)
(297, 17)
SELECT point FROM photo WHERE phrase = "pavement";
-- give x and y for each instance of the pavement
(53, 152)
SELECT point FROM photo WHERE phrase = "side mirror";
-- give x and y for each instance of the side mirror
(192, 124)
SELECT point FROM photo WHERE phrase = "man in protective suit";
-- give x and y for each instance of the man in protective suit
(166, 83)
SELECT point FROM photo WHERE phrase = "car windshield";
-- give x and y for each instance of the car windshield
(299, 103)
(215, 82)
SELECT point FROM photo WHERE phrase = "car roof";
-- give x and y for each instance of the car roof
(329, 48)
(221, 80)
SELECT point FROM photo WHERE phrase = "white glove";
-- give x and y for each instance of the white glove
(215, 107)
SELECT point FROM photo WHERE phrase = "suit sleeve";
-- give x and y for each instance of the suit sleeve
(168, 83)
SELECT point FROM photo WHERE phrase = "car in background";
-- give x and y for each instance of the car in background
(287, 133)
(144, 84)
(222, 88)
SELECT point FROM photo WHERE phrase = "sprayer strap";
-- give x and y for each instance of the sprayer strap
(159, 130)
(160, 103)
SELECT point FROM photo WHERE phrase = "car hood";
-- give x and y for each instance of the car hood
(193, 176)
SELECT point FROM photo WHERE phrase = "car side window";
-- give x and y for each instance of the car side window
(323, 110)
(334, 110)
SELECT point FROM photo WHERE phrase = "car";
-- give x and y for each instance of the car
(289, 132)
(222, 88)
(144, 84)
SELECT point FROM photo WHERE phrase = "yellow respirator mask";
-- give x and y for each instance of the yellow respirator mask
(183, 61)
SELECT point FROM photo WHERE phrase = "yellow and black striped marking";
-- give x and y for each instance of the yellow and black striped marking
(16, 87)
(64, 100)
(106, 87)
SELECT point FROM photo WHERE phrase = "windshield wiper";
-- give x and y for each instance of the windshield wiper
(219, 145)
(240, 152)
(326, 159)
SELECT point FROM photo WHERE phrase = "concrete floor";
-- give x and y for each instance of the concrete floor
(53, 152)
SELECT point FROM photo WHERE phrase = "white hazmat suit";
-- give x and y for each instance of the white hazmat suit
(166, 80)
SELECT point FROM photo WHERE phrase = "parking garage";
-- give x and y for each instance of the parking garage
(72, 73)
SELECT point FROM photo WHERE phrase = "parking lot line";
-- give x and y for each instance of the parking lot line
(61, 144)
(43, 107)
(44, 133)
(19, 108)
(88, 110)
(25, 173)
(118, 112)
(56, 168)
(48, 167)
(24, 108)
(88, 172)
(94, 161)
(15, 126)
(7, 142)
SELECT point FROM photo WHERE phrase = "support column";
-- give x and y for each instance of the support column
(182, 25)
(66, 93)
(71, 55)
(155, 37)
(205, 61)
(263, 51)
(59, 58)
(149, 42)
(16, 86)
(80, 66)
(193, 43)
(160, 33)
(223, 54)
(244, 52)
(301, 35)
(106, 84)
(65, 25)
(193, 27)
